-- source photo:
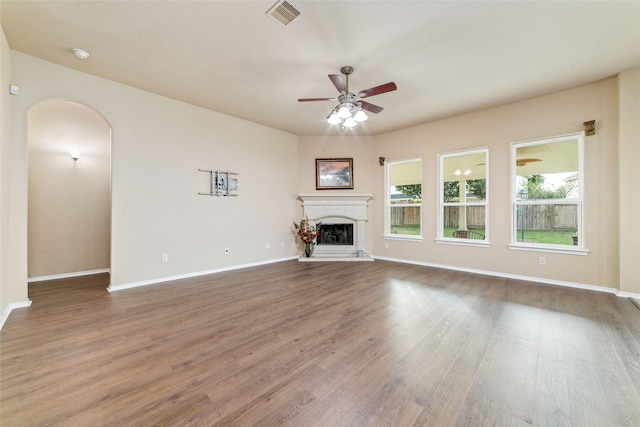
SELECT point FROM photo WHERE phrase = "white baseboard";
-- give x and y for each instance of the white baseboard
(68, 275)
(515, 276)
(10, 307)
(113, 288)
(629, 295)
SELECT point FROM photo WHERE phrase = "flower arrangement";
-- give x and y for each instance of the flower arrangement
(308, 234)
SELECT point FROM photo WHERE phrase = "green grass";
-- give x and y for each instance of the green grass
(539, 237)
(411, 230)
(547, 237)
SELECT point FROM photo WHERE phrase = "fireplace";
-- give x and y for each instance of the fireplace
(335, 234)
(343, 219)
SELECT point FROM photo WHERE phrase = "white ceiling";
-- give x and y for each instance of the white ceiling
(446, 58)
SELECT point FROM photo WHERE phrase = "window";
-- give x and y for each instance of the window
(547, 193)
(463, 197)
(404, 199)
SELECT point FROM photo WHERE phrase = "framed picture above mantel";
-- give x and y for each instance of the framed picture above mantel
(334, 174)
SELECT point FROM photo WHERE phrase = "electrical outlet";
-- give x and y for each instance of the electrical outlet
(226, 250)
(165, 257)
(282, 243)
(386, 245)
(542, 260)
(268, 245)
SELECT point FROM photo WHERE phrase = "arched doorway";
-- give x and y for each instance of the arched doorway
(69, 228)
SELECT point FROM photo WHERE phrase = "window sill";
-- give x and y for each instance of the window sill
(569, 250)
(403, 237)
(464, 242)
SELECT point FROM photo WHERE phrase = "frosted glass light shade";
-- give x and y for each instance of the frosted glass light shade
(349, 122)
(360, 116)
(344, 112)
(333, 119)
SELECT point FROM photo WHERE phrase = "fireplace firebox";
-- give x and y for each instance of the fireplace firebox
(335, 234)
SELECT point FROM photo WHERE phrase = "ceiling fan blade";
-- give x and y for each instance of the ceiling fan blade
(372, 108)
(316, 99)
(338, 82)
(377, 90)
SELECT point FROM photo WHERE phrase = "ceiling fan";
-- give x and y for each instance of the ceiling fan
(522, 162)
(350, 109)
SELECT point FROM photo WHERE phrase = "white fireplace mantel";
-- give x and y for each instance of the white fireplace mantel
(338, 208)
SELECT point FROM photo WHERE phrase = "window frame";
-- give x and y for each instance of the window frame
(387, 214)
(441, 237)
(515, 203)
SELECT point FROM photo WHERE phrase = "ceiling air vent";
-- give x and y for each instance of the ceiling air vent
(283, 12)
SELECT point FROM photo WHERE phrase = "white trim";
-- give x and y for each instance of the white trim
(113, 288)
(579, 136)
(68, 275)
(570, 250)
(442, 204)
(405, 237)
(629, 295)
(508, 275)
(10, 307)
(557, 138)
(465, 151)
(387, 194)
(464, 242)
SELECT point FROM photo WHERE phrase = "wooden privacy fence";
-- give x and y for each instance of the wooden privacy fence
(405, 215)
(536, 217)
(549, 217)
(475, 217)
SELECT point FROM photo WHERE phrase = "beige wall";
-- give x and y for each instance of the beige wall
(4, 170)
(629, 160)
(555, 114)
(69, 201)
(360, 149)
(13, 214)
(158, 145)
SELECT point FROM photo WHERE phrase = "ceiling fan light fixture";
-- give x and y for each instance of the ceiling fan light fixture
(350, 111)
(360, 116)
(349, 122)
(333, 119)
(344, 112)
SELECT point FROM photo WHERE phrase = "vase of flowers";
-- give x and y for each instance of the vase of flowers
(308, 234)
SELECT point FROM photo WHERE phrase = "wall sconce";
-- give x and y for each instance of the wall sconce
(381, 160)
(589, 127)
(75, 155)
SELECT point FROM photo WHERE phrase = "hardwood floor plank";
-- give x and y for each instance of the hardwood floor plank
(552, 406)
(444, 403)
(318, 344)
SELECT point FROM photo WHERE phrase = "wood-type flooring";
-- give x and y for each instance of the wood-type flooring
(321, 344)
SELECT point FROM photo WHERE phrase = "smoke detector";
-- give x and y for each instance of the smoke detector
(82, 54)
